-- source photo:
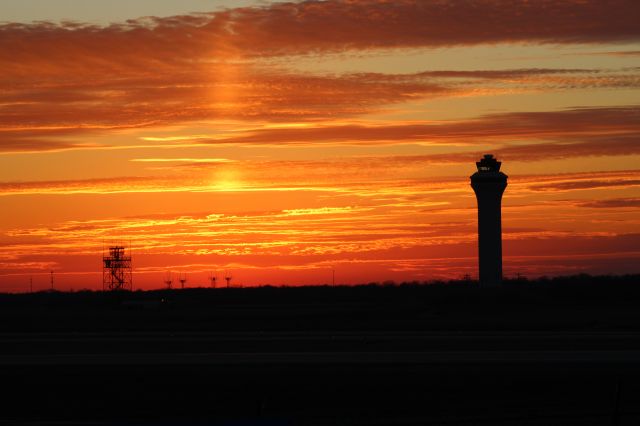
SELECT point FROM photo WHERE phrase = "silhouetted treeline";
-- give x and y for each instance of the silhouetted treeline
(572, 302)
(369, 329)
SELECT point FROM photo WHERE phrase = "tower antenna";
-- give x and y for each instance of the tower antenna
(168, 281)
(183, 280)
(213, 279)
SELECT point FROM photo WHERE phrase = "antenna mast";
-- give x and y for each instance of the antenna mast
(183, 280)
(116, 269)
(213, 279)
(168, 280)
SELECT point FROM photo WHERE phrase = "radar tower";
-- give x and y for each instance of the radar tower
(116, 269)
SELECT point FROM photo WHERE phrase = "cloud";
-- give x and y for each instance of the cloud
(312, 26)
(563, 148)
(31, 145)
(391, 180)
(586, 184)
(321, 26)
(164, 71)
(249, 91)
(27, 139)
(619, 53)
(101, 185)
(81, 103)
(613, 203)
(182, 160)
(166, 99)
(577, 124)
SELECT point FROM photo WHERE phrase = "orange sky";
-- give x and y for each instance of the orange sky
(287, 140)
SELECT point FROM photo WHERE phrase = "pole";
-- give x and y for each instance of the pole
(103, 283)
(130, 265)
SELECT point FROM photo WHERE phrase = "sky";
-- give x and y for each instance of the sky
(283, 143)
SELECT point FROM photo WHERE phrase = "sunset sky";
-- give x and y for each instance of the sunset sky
(282, 141)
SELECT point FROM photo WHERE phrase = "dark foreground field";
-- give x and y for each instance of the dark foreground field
(561, 352)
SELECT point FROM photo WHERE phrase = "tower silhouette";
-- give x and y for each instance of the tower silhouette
(213, 279)
(489, 184)
(228, 277)
(117, 273)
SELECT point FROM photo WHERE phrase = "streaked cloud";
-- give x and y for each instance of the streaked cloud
(56, 103)
(181, 160)
(337, 25)
(586, 184)
(569, 133)
(613, 203)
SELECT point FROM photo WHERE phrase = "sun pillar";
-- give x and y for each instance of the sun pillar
(489, 184)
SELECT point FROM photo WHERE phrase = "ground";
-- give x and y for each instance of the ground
(559, 352)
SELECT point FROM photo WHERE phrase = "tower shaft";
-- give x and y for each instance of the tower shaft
(489, 236)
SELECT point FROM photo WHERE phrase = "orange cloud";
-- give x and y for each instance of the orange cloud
(580, 132)
(71, 103)
(72, 78)
(613, 203)
(333, 25)
(586, 184)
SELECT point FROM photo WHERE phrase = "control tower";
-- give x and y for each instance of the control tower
(489, 183)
